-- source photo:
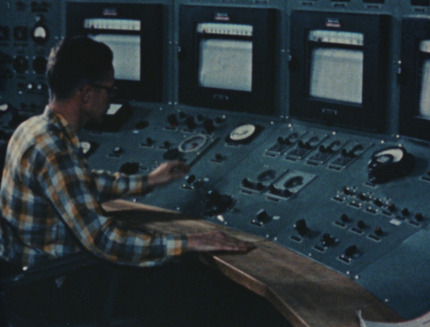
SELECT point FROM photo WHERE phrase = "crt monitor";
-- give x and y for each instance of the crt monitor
(338, 69)
(227, 58)
(134, 32)
(415, 78)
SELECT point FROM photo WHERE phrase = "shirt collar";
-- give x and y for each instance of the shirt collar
(60, 121)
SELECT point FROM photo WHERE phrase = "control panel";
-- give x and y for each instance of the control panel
(313, 190)
(350, 200)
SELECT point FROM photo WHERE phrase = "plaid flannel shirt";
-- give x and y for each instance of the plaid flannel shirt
(50, 202)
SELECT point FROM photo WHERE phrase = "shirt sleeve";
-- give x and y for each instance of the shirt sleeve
(69, 186)
(113, 185)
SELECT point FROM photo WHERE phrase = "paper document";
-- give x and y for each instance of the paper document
(424, 320)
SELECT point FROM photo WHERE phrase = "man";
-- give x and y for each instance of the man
(50, 199)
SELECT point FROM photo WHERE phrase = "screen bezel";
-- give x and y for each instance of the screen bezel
(411, 122)
(150, 86)
(370, 114)
(261, 99)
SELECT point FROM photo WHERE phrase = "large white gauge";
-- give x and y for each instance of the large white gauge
(242, 132)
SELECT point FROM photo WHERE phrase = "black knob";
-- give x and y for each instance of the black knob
(351, 251)
(392, 207)
(219, 157)
(172, 120)
(345, 218)
(389, 163)
(361, 224)
(280, 191)
(378, 231)
(327, 240)
(247, 183)
(166, 144)
(190, 122)
(208, 125)
(220, 120)
(419, 216)
(281, 140)
(347, 190)
(190, 179)
(263, 216)
(218, 203)
(405, 212)
(301, 227)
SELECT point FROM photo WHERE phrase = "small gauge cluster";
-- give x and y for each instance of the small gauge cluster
(27, 33)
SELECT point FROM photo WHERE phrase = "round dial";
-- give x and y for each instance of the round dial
(242, 133)
(192, 143)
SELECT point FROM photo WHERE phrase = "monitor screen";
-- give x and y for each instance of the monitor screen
(126, 54)
(338, 69)
(134, 33)
(226, 64)
(227, 58)
(424, 106)
(337, 74)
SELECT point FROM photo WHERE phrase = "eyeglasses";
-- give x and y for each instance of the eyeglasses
(111, 90)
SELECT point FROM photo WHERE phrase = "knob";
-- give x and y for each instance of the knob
(218, 203)
(190, 122)
(361, 224)
(419, 216)
(172, 120)
(378, 231)
(281, 140)
(392, 207)
(190, 179)
(389, 163)
(263, 216)
(218, 121)
(279, 191)
(301, 227)
(247, 183)
(327, 240)
(345, 218)
(208, 125)
(219, 157)
(405, 212)
(351, 251)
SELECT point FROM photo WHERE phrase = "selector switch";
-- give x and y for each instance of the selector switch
(262, 218)
(328, 240)
(217, 203)
(301, 227)
(351, 251)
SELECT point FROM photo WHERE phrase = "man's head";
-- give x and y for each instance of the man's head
(76, 62)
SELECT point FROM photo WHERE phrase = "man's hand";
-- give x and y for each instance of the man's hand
(167, 172)
(216, 241)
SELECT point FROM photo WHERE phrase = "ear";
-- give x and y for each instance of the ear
(85, 93)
